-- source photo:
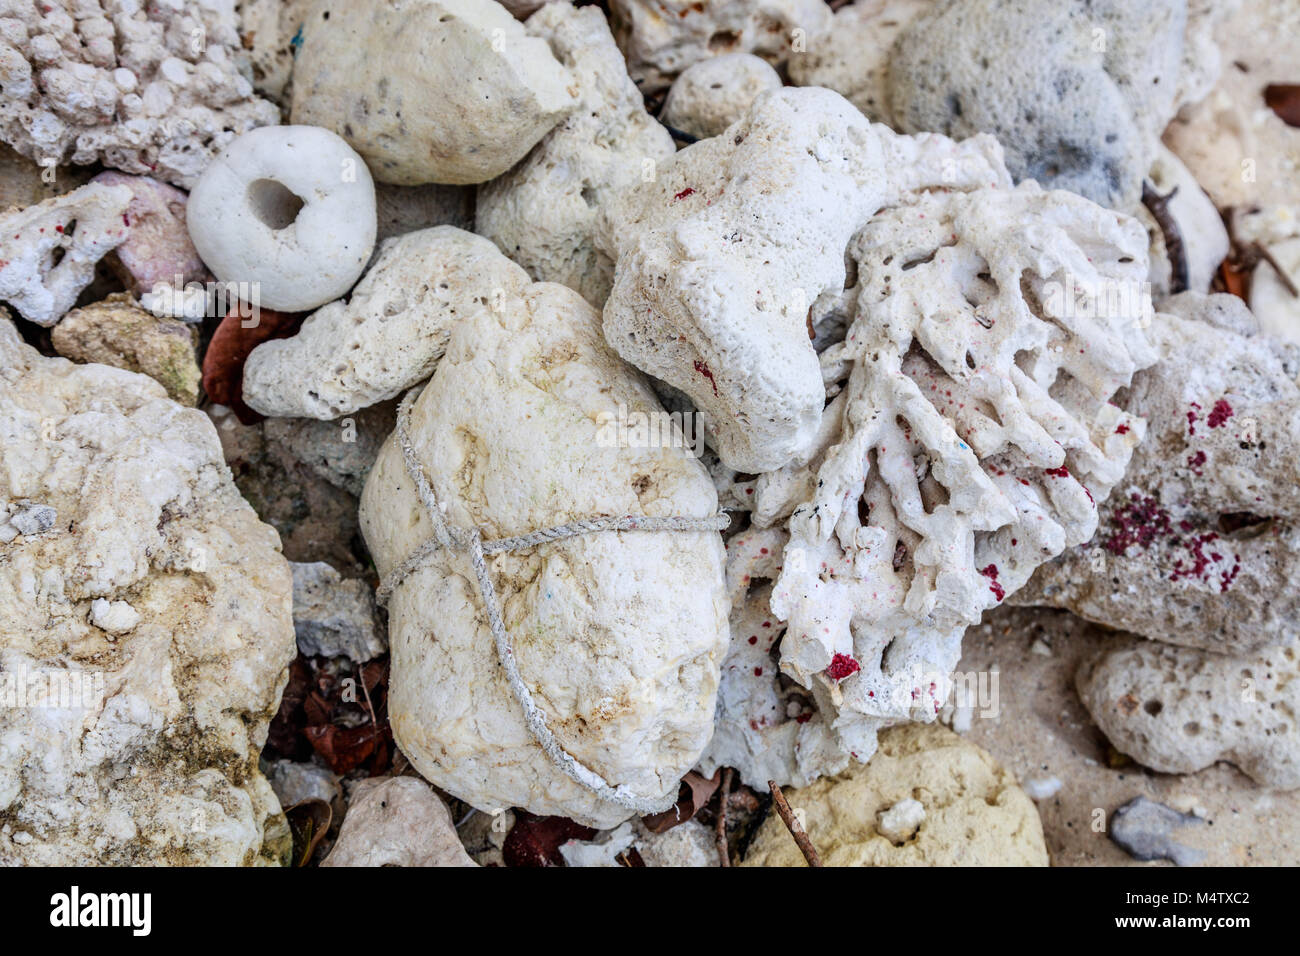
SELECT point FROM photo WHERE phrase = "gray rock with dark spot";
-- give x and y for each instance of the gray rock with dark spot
(1144, 829)
(333, 617)
(33, 519)
(1076, 91)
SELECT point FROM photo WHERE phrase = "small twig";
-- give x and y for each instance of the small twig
(1281, 273)
(724, 792)
(796, 829)
(374, 721)
(680, 135)
(1158, 206)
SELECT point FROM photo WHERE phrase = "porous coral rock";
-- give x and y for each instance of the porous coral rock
(340, 451)
(542, 213)
(689, 844)
(367, 72)
(1083, 113)
(975, 815)
(150, 88)
(334, 617)
(721, 257)
(390, 332)
(48, 251)
(712, 94)
(661, 38)
(118, 332)
(969, 430)
(1180, 709)
(269, 31)
(288, 210)
(1192, 545)
(619, 635)
(157, 248)
(399, 821)
(765, 727)
(157, 760)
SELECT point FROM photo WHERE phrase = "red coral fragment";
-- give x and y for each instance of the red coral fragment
(842, 666)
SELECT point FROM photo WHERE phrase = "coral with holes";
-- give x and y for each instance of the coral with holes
(969, 433)
(1206, 524)
(661, 38)
(719, 259)
(48, 251)
(149, 88)
(542, 213)
(1179, 709)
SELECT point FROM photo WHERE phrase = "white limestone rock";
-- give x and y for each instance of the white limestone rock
(969, 431)
(723, 258)
(399, 821)
(661, 38)
(1180, 709)
(1277, 309)
(149, 752)
(147, 88)
(1083, 112)
(619, 636)
(1207, 521)
(267, 29)
(429, 91)
(289, 209)
(712, 94)
(689, 844)
(48, 251)
(390, 332)
(333, 617)
(542, 213)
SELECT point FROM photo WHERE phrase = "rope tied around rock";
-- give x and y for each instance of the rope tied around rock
(446, 536)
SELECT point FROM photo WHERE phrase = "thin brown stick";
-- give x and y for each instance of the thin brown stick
(1281, 273)
(724, 793)
(796, 829)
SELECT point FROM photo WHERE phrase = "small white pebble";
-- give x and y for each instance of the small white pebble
(115, 617)
(1042, 788)
(899, 822)
(1040, 647)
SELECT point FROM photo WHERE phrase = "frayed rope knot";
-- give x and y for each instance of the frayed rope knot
(471, 541)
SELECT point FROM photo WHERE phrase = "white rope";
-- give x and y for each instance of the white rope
(471, 541)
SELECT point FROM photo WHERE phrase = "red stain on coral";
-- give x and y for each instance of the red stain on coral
(1061, 472)
(842, 666)
(1140, 522)
(1219, 414)
(1121, 429)
(991, 572)
(688, 191)
(707, 372)
(1195, 462)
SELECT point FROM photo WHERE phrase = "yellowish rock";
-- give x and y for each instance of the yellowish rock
(120, 333)
(975, 813)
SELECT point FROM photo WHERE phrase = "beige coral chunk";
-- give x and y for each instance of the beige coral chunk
(542, 213)
(618, 635)
(399, 821)
(152, 758)
(118, 332)
(975, 814)
(48, 251)
(370, 74)
(661, 38)
(390, 332)
(712, 94)
(1179, 709)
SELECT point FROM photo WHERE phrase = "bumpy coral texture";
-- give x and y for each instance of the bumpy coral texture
(975, 814)
(720, 259)
(1193, 545)
(163, 767)
(969, 434)
(1179, 710)
(618, 635)
(542, 213)
(146, 88)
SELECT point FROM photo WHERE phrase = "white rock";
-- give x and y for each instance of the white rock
(369, 73)
(899, 822)
(75, 231)
(720, 259)
(295, 782)
(397, 822)
(712, 94)
(603, 851)
(1276, 308)
(333, 617)
(618, 635)
(289, 208)
(1042, 788)
(33, 519)
(390, 333)
(115, 617)
(1178, 709)
(661, 38)
(542, 213)
(153, 757)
